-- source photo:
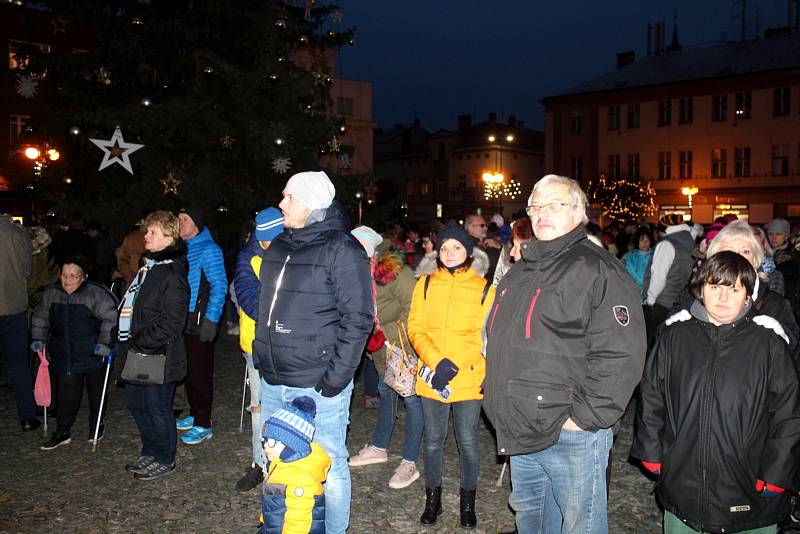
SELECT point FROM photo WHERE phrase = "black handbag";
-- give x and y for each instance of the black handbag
(144, 369)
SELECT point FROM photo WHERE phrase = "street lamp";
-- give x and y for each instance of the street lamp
(359, 197)
(690, 192)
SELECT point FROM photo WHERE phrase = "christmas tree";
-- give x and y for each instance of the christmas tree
(225, 97)
(622, 199)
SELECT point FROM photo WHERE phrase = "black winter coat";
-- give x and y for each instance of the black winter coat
(160, 312)
(719, 408)
(565, 338)
(71, 325)
(315, 309)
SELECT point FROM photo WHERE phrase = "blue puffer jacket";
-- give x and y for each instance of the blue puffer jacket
(207, 281)
(245, 281)
(315, 309)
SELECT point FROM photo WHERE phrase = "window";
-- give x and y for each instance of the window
(16, 127)
(19, 53)
(410, 188)
(575, 124)
(633, 115)
(780, 160)
(664, 165)
(613, 117)
(423, 188)
(687, 111)
(781, 98)
(577, 168)
(744, 102)
(664, 112)
(344, 106)
(633, 165)
(685, 170)
(441, 186)
(719, 108)
(613, 165)
(719, 163)
(741, 161)
(462, 182)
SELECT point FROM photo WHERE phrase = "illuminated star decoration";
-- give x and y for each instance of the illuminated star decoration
(59, 25)
(27, 86)
(103, 76)
(227, 141)
(116, 150)
(170, 183)
(281, 165)
(335, 145)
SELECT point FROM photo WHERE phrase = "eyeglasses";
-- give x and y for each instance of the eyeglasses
(484, 225)
(548, 209)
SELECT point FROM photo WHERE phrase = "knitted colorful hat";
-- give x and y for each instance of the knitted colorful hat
(269, 224)
(293, 426)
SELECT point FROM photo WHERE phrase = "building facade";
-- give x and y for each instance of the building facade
(724, 121)
(441, 174)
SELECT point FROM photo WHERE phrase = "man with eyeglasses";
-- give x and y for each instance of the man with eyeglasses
(565, 350)
(476, 227)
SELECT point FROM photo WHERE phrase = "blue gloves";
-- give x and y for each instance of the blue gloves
(445, 371)
(37, 345)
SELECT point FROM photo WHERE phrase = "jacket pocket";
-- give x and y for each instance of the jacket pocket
(537, 407)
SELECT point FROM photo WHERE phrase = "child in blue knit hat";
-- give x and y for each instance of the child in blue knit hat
(292, 500)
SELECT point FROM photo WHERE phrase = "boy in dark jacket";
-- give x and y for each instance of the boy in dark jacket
(74, 320)
(719, 409)
(293, 501)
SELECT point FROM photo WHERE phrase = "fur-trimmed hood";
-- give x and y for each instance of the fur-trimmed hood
(427, 265)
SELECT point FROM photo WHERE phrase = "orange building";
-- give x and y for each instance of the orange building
(441, 174)
(724, 120)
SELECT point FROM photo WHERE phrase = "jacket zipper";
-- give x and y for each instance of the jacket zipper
(706, 423)
(269, 318)
(530, 313)
(497, 308)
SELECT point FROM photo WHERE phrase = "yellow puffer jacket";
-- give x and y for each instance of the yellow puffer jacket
(247, 325)
(449, 324)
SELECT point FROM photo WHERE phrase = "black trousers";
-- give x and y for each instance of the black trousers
(70, 394)
(200, 379)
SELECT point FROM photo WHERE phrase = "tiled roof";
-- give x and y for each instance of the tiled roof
(779, 52)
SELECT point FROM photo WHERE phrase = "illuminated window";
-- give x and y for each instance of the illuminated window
(423, 188)
(744, 103)
(664, 112)
(685, 164)
(19, 53)
(686, 111)
(780, 160)
(633, 115)
(781, 99)
(664, 165)
(719, 108)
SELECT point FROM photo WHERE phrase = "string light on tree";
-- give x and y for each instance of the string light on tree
(622, 199)
(170, 183)
(334, 144)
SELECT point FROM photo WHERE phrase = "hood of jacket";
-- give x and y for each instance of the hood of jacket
(480, 263)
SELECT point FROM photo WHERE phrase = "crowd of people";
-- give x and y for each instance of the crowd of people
(547, 323)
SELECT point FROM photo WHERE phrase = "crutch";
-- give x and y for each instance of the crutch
(244, 394)
(502, 474)
(110, 359)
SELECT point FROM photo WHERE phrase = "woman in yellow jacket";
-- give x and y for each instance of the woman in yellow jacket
(445, 327)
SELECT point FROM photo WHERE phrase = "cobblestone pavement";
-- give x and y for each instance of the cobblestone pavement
(71, 489)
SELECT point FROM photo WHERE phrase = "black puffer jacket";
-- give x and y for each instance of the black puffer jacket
(71, 325)
(159, 313)
(565, 339)
(719, 408)
(315, 308)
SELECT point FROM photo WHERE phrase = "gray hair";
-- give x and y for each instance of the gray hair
(471, 218)
(734, 230)
(575, 192)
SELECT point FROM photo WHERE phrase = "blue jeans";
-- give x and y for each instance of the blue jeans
(333, 416)
(387, 412)
(14, 349)
(254, 381)
(370, 378)
(562, 489)
(465, 423)
(151, 407)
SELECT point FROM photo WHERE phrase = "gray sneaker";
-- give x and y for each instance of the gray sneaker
(155, 471)
(140, 465)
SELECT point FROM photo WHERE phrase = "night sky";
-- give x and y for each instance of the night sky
(441, 58)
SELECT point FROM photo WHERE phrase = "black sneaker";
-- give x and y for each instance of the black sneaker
(55, 441)
(30, 424)
(99, 434)
(253, 476)
(140, 465)
(155, 471)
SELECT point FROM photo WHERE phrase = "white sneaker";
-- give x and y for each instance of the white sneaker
(405, 475)
(367, 456)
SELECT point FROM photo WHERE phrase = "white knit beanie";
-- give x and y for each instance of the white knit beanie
(312, 188)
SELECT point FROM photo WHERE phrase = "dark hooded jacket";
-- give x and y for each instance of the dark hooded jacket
(565, 338)
(160, 312)
(315, 309)
(719, 409)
